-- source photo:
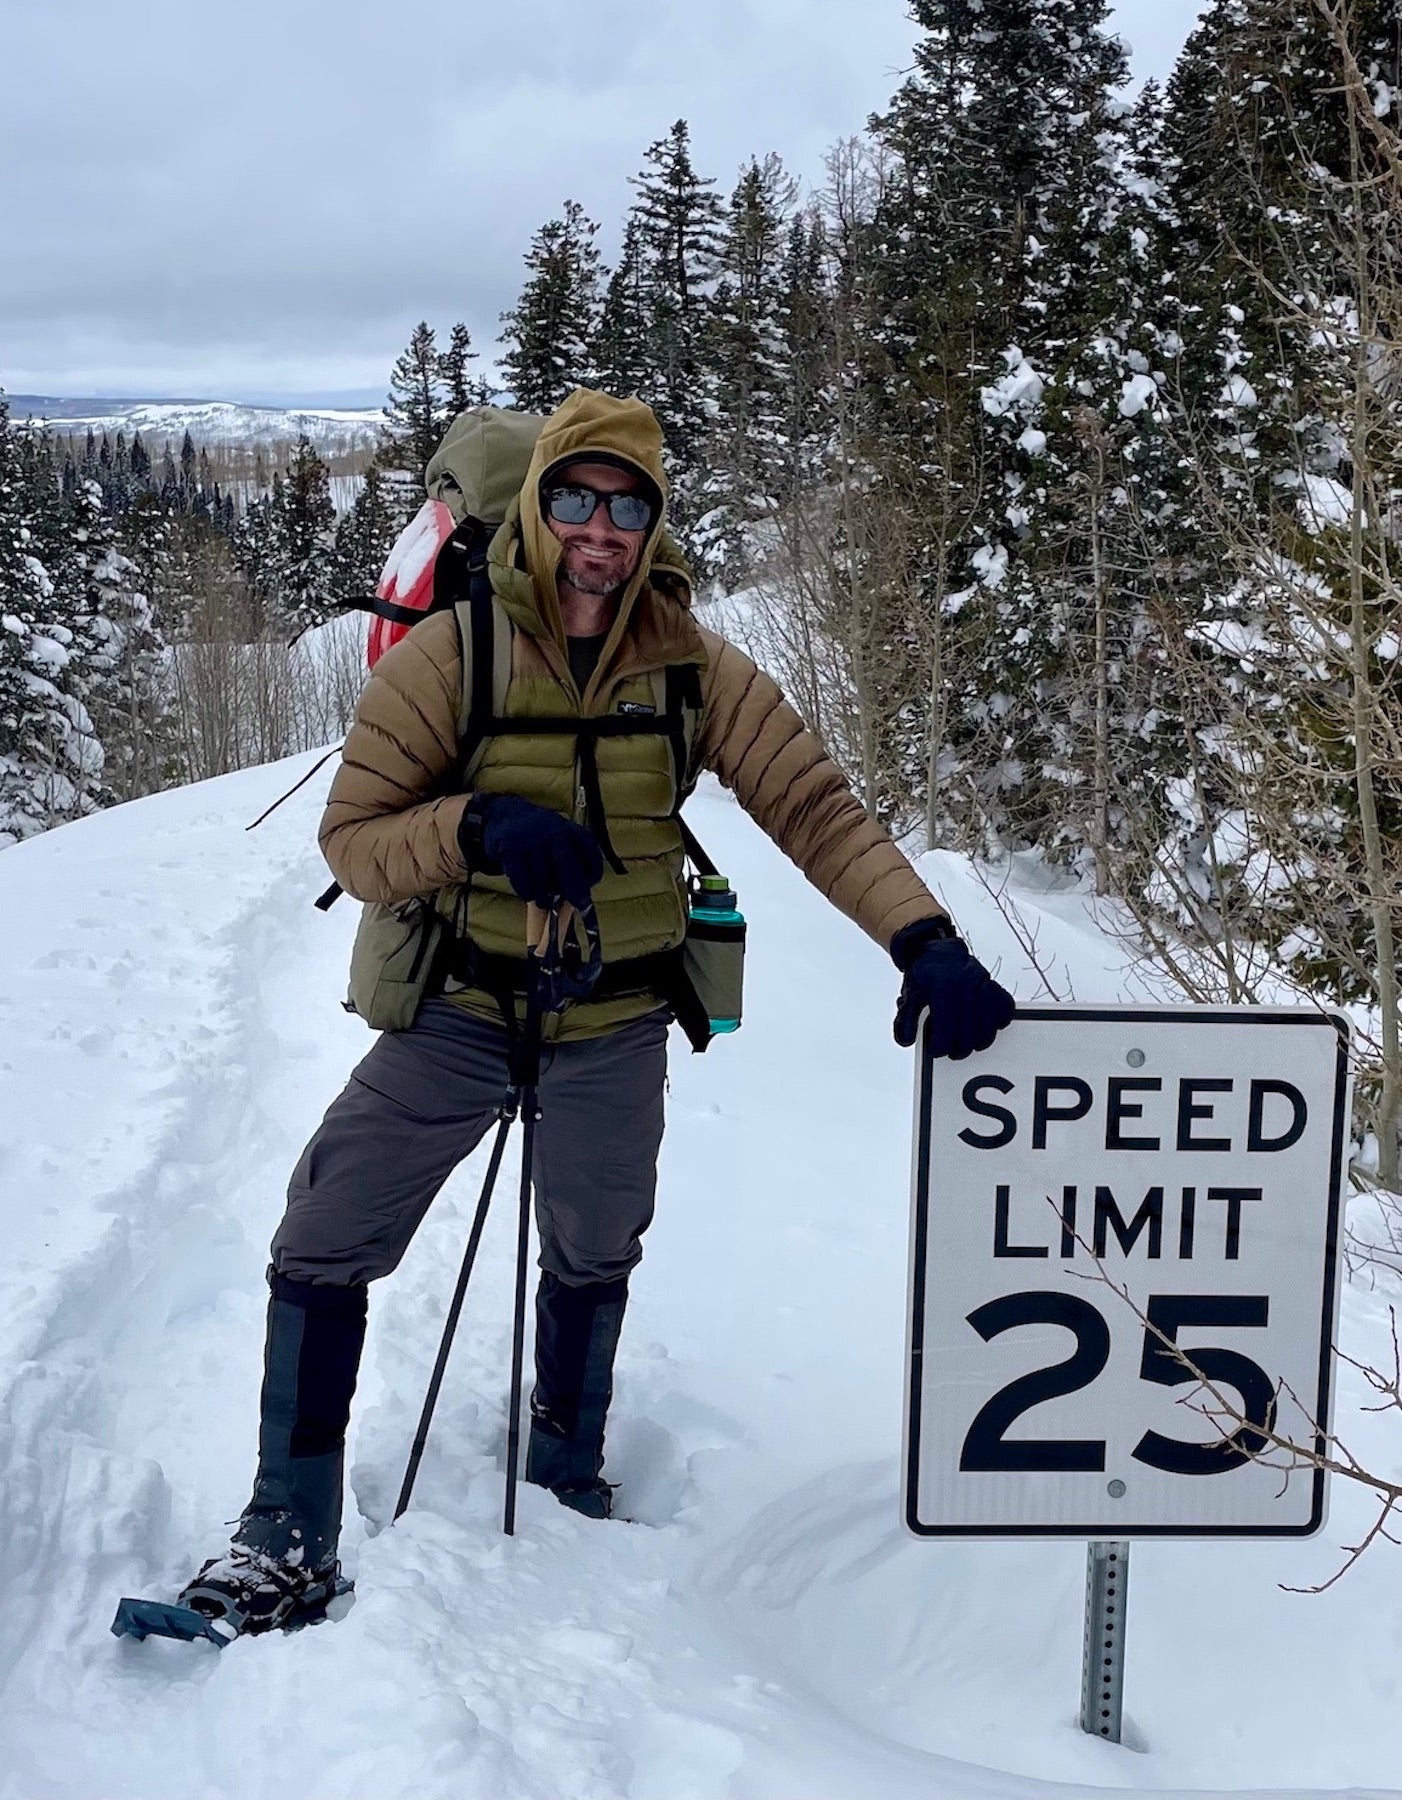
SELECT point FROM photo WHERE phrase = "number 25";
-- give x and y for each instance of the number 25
(986, 1447)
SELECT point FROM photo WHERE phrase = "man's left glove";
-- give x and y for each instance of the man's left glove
(967, 1007)
(545, 856)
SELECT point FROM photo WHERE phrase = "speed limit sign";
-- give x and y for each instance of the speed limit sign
(1100, 1190)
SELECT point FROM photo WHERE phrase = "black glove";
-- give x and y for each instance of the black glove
(967, 1007)
(543, 855)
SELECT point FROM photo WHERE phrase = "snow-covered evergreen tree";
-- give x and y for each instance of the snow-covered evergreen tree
(987, 262)
(619, 352)
(256, 555)
(680, 224)
(1286, 127)
(416, 409)
(158, 541)
(806, 354)
(119, 668)
(461, 388)
(301, 558)
(49, 755)
(746, 351)
(364, 536)
(548, 335)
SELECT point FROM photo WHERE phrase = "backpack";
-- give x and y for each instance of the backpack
(472, 478)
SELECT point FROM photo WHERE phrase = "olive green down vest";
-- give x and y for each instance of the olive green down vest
(399, 949)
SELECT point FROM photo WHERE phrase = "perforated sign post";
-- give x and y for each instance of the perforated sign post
(1103, 1194)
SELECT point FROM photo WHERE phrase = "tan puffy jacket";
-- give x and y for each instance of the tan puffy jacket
(386, 841)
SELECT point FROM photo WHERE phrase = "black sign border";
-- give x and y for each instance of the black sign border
(1105, 1531)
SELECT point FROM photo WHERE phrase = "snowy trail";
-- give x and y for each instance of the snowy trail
(169, 1034)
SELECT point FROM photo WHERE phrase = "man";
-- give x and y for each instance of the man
(596, 614)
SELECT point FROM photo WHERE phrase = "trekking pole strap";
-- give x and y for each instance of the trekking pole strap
(293, 789)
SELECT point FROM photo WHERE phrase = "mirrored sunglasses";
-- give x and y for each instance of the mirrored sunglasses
(575, 506)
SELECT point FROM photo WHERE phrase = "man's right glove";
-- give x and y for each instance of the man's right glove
(544, 855)
(967, 1007)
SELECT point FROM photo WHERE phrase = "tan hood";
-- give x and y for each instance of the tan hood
(590, 425)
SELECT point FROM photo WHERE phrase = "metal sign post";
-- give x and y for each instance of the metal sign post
(1113, 1208)
(1103, 1659)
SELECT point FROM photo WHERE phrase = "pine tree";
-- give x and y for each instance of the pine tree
(1286, 130)
(983, 265)
(746, 351)
(119, 660)
(255, 552)
(364, 537)
(806, 356)
(42, 499)
(680, 224)
(619, 351)
(547, 336)
(415, 410)
(461, 388)
(302, 556)
(155, 538)
(49, 755)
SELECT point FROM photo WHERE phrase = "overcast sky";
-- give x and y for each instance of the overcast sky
(258, 201)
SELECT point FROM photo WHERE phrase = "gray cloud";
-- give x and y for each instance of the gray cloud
(268, 197)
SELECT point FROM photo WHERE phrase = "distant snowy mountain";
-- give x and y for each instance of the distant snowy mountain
(332, 430)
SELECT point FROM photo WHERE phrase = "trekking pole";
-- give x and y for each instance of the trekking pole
(529, 1073)
(508, 1115)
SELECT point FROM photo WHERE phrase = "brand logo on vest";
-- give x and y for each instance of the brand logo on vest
(637, 708)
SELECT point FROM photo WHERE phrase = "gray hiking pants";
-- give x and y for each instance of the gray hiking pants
(421, 1101)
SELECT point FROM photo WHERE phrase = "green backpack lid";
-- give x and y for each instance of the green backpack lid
(480, 467)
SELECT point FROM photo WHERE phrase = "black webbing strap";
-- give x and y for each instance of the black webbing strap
(588, 731)
(691, 844)
(683, 690)
(385, 609)
(506, 980)
(482, 625)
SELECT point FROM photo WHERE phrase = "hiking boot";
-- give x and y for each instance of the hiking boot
(244, 1592)
(592, 1500)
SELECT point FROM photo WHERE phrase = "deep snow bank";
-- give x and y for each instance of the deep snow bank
(169, 1033)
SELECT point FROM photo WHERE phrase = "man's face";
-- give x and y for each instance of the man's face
(598, 557)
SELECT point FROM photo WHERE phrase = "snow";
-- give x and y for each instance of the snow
(228, 422)
(1324, 501)
(1137, 393)
(1239, 392)
(990, 564)
(1019, 388)
(413, 550)
(170, 1034)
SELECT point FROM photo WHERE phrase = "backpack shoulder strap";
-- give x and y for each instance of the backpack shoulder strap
(681, 708)
(484, 635)
(679, 703)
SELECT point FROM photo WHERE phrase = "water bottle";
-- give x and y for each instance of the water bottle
(715, 951)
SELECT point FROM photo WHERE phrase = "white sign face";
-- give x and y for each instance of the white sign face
(1102, 1180)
